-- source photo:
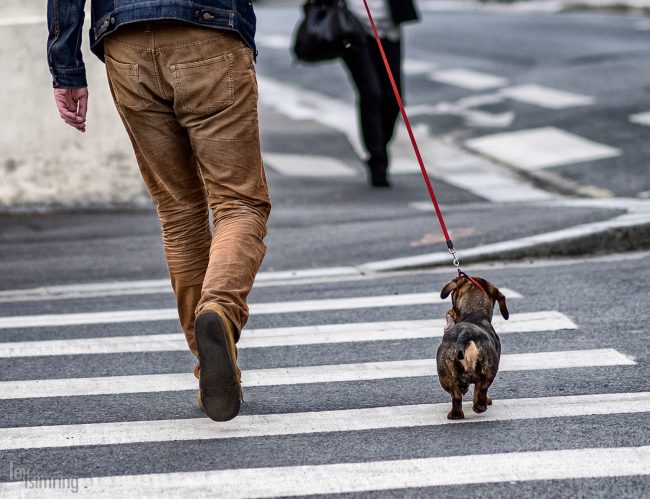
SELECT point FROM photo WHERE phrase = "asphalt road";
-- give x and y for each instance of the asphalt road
(608, 335)
(95, 381)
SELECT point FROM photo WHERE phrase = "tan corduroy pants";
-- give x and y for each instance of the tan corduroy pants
(188, 98)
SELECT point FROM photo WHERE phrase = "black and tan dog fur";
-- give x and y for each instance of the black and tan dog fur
(470, 348)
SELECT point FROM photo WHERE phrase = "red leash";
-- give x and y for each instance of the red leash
(432, 195)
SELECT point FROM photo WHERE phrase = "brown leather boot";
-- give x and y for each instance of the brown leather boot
(220, 391)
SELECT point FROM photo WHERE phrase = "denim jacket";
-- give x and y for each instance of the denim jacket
(65, 21)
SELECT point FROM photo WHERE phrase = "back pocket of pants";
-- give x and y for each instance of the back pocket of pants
(125, 79)
(204, 86)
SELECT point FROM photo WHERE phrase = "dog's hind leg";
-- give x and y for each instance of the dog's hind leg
(456, 406)
(481, 399)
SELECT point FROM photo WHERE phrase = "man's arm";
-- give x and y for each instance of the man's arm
(65, 25)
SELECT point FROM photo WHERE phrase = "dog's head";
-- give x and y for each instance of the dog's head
(475, 295)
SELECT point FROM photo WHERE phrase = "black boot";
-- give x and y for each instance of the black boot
(378, 174)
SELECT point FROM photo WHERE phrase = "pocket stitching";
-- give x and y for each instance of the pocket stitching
(221, 105)
(138, 88)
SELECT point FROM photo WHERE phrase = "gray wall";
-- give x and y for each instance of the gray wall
(44, 162)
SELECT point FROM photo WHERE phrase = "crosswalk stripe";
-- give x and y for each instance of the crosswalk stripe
(301, 165)
(162, 286)
(414, 67)
(408, 416)
(368, 476)
(540, 148)
(467, 78)
(88, 290)
(466, 170)
(641, 118)
(118, 316)
(115, 385)
(276, 337)
(298, 103)
(546, 97)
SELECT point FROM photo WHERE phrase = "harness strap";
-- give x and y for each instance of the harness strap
(473, 281)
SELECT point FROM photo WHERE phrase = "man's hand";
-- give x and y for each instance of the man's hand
(72, 104)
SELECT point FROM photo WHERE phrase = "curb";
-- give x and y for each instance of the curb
(627, 232)
(624, 239)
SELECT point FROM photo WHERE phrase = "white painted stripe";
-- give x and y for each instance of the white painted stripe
(363, 477)
(267, 279)
(69, 387)
(540, 148)
(546, 97)
(447, 5)
(302, 274)
(467, 78)
(409, 416)
(416, 67)
(641, 118)
(119, 316)
(442, 160)
(325, 274)
(464, 170)
(88, 290)
(301, 165)
(159, 286)
(468, 109)
(300, 104)
(280, 337)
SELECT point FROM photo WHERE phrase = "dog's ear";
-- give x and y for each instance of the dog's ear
(449, 287)
(502, 305)
(497, 295)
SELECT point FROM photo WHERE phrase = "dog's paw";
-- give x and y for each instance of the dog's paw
(478, 409)
(456, 415)
(489, 400)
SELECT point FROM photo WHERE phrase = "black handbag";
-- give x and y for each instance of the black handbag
(327, 31)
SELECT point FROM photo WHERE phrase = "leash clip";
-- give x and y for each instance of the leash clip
(456, 261)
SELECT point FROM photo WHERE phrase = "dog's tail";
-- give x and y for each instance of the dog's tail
(466, 352)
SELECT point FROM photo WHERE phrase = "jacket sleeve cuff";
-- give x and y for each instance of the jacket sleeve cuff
(69, 78)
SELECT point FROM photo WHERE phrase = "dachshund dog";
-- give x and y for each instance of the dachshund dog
(470, 348)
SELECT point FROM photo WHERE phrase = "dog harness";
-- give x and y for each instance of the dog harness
(472, 280)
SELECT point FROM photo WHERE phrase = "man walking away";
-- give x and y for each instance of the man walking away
(183, 81)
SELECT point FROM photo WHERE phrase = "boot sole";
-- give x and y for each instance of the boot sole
(218, 386)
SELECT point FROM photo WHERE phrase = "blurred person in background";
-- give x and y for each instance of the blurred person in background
(378, 108)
